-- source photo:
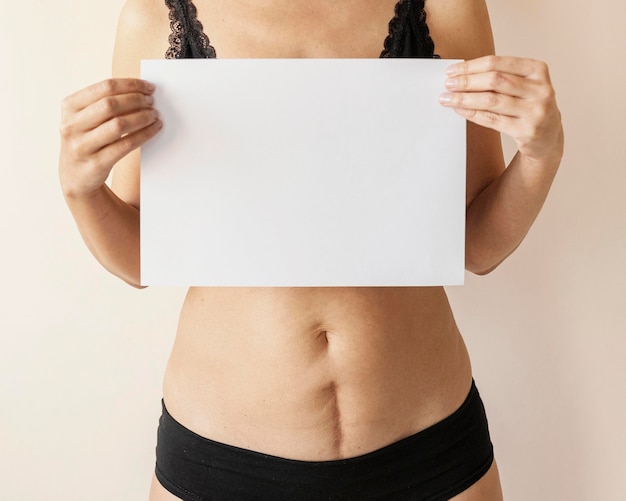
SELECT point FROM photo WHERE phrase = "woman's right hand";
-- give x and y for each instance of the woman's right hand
(99, 126)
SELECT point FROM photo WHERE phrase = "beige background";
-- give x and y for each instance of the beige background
(83, 354)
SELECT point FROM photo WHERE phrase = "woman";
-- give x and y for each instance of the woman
(305, 393)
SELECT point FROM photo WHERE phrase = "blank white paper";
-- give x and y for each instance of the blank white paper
(302, 172)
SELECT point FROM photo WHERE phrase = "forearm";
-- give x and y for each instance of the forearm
(499, 218)
(515, 97)
(110, 228)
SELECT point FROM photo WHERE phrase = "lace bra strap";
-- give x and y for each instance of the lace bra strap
(408, 32)
(187, 39)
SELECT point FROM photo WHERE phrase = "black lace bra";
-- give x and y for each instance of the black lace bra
(408, 32)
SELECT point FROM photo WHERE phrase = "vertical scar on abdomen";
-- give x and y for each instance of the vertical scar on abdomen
(336, 418)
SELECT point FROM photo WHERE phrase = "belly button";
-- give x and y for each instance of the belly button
(323, 334)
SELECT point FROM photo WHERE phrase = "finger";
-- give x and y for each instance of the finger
(501, 123)
(514, 65)
(108, 108)
(502, 83)
(113, 130)
(486, 101)
(113, 153)
(110, 87)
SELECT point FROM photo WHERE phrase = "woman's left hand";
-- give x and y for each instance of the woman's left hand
(513, 96)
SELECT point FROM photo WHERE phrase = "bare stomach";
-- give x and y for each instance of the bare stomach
(315, 374)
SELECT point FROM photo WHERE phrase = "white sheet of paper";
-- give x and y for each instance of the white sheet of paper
(302, 172)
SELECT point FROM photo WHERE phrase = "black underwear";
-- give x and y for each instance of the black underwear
(433, 465)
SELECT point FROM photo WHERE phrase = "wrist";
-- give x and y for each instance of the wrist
(78, 194)
(546, 163)
(550, 154)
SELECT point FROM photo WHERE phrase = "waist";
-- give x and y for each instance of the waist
(315, 374)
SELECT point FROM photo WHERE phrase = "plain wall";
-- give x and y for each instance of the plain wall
(82, 354)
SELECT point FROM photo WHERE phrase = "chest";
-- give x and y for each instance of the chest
(296, 28)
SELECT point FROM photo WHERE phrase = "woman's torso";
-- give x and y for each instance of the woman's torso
(312, 373)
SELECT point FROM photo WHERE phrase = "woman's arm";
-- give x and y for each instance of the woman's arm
(103, 125)
(513, 96)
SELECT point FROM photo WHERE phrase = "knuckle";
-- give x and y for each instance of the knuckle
(490, 62)
(540, 68)
(496, 79)
(109, 86)
(95, 170)
(65, 130)
(540, 111)
(117, 126)
(148, 116)
(75, 148)
(108, 105)
(548, 94)
(491, 118)
(127, 143)
(493, 100)
(91, 165)
(542, 114)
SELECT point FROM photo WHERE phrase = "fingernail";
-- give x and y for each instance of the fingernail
(451, 83)
(451, 70)
(149, 99)
(445, 98)
(149, 86)
(155, 114)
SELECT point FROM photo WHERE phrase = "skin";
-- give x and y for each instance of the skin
(317, 374)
